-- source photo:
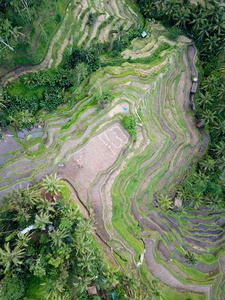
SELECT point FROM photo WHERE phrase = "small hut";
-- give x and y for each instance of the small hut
(194, 85)
(143, 34)
(92, 290)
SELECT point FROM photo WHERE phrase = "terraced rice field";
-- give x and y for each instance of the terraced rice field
(116, 178)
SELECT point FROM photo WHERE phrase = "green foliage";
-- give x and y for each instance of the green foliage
(91, 19)
(165, 202)
(101, 97)
(190, 258)
(129, 123)
(58, 18)
(51, 184)
(63, 257)
(123, 38)
(12, 288)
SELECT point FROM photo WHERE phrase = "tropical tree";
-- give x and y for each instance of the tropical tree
(81, 283)
(23, 240)
(155, 290)
(10, 258)
(41, 221)
(182, 17)
(51, 184)
(21, 118)
(170, 8)
(58, 237)
(31, 196)
(203, 32)
(55, 291)
(209, 116)
(165, 202)
(45, 206)
(219, 148)
(81, 71)
(15, 32)
(204, 100)
(199, 19)
(12, 288)
(214, 201)
(190, 258)
(196, 200)
(182, 193)
(208, 164)
(84, 229)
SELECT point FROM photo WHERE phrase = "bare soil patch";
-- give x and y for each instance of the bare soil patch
(96, 156)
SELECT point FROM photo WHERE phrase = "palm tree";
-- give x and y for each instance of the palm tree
(56, 291)
(51, 184)
(44, 206)
(180, 211)
(20, 118)
(220, 148)
(31, 196)
(23, 215)
(155, 290)
(58, 237)
(208, 164)
(81, 284)
(219, 127)
(182, 17)
(182, 193)
(41, 221)
(165, 202)
(85, 228)
(209, 116)
(10, 258)
(71, 213)
(15, 32)
(190, 258)
(85, 262)
(220, 92)
(211, 43)
(196, 200)
(203, 31)
(170, 9)
(81, 71)
(204, 100)
(23, 240)
(201, 179)
(221, 163)
(214, 201)
(211, 83)
(199, 20)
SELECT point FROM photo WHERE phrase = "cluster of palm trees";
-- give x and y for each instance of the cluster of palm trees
(206, 24)
(45, 236)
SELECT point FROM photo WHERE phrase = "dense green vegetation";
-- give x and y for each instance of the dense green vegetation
(26, 25)
(21, 100)
(58, 251)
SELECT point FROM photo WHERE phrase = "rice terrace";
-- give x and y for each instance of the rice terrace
(123, 140)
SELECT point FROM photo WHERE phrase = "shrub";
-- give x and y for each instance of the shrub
(58, 18)
(129, 123)
(13, 288)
